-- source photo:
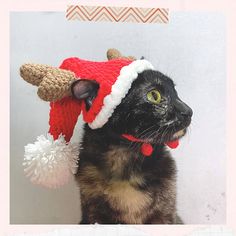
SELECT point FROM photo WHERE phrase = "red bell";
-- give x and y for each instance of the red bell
(146, 149)
(173, 144)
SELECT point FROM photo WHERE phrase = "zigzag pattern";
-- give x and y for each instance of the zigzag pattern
(117, 14)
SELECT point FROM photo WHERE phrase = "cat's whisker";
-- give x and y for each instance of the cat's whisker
(140, 135)
(162, 135)
(153, 135)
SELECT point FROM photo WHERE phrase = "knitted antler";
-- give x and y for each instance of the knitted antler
(113, 53)
(53, 83)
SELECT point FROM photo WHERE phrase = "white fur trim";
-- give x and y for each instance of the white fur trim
(51, 163)
(119, 90)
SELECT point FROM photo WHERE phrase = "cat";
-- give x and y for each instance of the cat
(118, 184)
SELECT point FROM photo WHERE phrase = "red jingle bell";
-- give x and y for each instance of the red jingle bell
(146, 149)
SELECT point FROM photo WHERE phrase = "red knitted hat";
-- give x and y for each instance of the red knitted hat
(51, 160)
(114, 78)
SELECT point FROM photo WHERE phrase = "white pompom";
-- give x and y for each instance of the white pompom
(51, 163)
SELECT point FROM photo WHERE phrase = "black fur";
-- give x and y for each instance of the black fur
(100, 171)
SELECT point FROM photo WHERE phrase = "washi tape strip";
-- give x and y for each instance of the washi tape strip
(117, 14)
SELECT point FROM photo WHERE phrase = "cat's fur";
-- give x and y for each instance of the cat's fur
(117, 183)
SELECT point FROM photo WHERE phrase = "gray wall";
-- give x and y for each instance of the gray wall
(190, 49)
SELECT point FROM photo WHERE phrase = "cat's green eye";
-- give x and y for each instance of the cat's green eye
(154, 96)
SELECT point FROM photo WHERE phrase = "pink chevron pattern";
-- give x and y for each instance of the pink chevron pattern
(117, 14)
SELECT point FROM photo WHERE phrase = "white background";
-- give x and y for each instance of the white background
(190, 49)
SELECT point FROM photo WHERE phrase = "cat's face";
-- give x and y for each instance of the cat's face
(152, 110)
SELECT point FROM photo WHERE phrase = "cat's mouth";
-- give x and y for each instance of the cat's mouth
(168, 131)
(172, 130)
(167, 136)
(179, 129)
(179, 134)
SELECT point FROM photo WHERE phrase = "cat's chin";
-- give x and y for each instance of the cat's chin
(179, 134)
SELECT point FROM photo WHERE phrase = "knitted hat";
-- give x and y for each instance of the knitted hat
(52, 160)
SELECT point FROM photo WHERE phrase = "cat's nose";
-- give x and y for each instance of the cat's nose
(183, 108)
(187, 112)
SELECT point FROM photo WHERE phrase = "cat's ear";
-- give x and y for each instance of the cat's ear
(85, 90)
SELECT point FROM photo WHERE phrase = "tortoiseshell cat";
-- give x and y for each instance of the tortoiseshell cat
(117, 183)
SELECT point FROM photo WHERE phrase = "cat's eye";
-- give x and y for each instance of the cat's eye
(154, 96)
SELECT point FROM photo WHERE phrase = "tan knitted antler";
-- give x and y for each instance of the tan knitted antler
(113, 53)
(54, 83)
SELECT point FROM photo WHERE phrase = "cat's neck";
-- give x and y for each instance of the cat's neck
(116, 157)
(106, 137)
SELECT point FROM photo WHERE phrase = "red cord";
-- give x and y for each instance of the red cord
(147, 148)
